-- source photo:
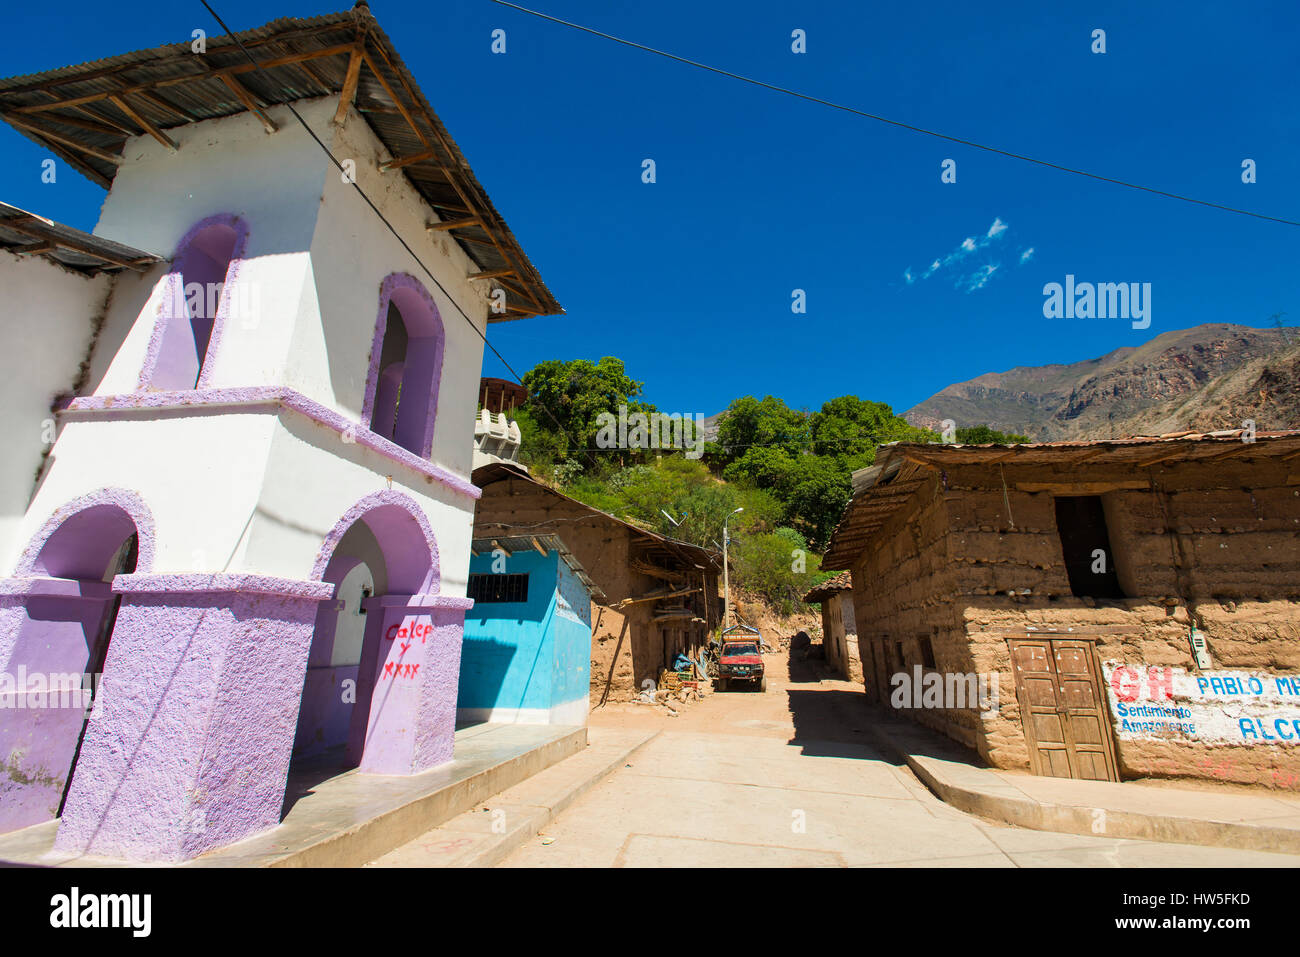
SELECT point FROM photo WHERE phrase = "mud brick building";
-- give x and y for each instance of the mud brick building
(839, 628)
(660, 595)
(1137, 599)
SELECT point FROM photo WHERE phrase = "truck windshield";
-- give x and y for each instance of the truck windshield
(740, 648)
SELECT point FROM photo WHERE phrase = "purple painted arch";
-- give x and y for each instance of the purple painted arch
(420, 374)
(80, 537)
(405, 538)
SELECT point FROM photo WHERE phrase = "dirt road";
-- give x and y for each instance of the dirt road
(788, 778)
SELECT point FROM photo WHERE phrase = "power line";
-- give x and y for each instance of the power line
(898, 123)
(355, 185)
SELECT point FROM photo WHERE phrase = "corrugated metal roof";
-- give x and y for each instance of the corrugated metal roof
(69, 111)
(486, 475)
(29, 234)
(540, 543)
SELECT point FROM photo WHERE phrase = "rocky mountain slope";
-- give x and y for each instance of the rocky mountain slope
(1207, 377)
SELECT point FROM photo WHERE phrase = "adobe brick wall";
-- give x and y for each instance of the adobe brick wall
(967, 563)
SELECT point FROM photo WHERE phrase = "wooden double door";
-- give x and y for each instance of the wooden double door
(1063, 708)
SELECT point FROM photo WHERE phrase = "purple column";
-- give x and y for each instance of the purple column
(412, 661)
(189, 746)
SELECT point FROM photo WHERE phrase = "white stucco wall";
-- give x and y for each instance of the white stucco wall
(231, 165)
(257, 492)
(352, 252)
(48, 315)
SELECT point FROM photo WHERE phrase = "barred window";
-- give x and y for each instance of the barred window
(485, 589)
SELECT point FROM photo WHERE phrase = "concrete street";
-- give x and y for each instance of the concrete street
(788, 779)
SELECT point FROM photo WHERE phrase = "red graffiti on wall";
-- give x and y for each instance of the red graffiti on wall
(1126, 681)
(421, 630)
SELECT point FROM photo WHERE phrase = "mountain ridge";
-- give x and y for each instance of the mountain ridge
(1205, 374)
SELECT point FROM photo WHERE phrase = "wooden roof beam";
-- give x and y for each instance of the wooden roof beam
(349, 92)
(148, 127)
(64, 141)
(81, 124)
(491, 274)
(219, 73)
(398, 162)
(245, 97)
(454, 224)
(19, 225)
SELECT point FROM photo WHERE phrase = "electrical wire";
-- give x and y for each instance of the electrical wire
(884, 119)
(355, 185)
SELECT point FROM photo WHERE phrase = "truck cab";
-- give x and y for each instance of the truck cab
(740, 658)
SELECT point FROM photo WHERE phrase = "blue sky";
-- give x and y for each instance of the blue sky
(690, 279)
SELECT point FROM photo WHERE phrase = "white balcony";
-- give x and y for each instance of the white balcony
(496, 438)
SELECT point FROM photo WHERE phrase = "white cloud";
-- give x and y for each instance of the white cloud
(969, 247)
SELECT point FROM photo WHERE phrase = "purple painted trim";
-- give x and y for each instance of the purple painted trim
(163, 317)
(203, 584)
(388, 498)
(400, 282)
(66, 588)
(129, 502)
(246, 399)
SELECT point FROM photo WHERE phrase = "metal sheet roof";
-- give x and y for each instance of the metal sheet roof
(685, 552)
(32, 235)
(543, 544)
(86, 113)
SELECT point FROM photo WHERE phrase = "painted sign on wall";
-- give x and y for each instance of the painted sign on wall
(1155, 702)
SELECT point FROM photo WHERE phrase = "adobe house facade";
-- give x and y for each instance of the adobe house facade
(839, 627)
(1131, 607)
(658, 596)
(253, 509)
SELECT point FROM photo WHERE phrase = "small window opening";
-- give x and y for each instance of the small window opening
(1085, 545)
(488, 589)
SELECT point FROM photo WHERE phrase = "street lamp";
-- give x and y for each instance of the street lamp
(726, 577)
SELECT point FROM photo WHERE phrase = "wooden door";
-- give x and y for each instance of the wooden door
(1064, 715)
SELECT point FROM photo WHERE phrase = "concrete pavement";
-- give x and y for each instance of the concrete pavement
(795, 777)
(1219, 817)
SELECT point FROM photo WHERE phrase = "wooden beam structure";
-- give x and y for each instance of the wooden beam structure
(399, 162)
(64, 141)
(250, 104)
(454, 224)
(161, 137)
(349, 91)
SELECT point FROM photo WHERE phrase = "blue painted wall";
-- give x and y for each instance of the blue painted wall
(532, 656)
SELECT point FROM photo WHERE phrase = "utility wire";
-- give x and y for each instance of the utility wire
(884, 119)
(360, 192)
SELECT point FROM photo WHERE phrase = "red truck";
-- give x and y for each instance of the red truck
(741, 659)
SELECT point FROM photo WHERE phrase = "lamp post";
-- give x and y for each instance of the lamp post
(726, 576)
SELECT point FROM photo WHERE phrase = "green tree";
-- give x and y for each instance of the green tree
(560, 418)
(983, 435)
